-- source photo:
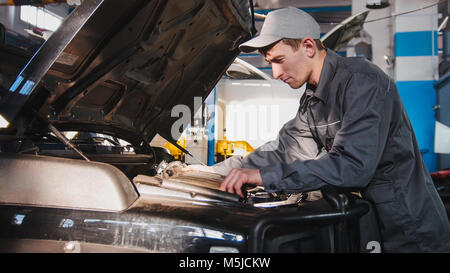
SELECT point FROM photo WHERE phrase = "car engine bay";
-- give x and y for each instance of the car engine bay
(154, 174)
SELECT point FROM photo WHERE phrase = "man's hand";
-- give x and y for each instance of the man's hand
(239, 177)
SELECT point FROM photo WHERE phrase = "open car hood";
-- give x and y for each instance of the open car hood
(130, 62)
(338, 37)
(127, 65)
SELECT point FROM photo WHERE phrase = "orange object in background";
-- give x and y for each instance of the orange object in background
(174, 151)
(225, 148)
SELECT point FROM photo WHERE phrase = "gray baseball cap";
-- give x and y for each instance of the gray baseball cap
(291, 23)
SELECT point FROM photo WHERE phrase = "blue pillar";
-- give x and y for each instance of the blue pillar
(416, 69)
(210, 103)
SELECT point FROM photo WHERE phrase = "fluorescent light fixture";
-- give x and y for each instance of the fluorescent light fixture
(3, 122)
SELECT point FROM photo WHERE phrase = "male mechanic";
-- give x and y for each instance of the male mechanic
(351, 131)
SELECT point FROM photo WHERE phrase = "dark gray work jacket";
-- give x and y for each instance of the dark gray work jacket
(353, 131)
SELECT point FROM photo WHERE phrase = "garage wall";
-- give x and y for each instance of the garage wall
(254, 110)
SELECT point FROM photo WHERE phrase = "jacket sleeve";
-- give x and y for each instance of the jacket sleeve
(294, 142)
(227, 165)
(357, 148)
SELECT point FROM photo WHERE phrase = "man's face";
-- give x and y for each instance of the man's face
(292, 67)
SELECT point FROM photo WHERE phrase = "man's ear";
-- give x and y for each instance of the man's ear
(310, 46)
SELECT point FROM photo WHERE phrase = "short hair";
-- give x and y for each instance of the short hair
(293, 43)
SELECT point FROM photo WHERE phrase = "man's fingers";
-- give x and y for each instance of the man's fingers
(233, 183)
(226, 181)
(237, 188)
(239, 177)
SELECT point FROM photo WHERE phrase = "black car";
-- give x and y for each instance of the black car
(111, 74)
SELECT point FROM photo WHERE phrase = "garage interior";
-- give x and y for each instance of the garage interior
(408, 39)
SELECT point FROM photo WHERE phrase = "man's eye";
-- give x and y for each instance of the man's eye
(278, 61)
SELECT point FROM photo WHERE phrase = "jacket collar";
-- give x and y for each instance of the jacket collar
(326, 75)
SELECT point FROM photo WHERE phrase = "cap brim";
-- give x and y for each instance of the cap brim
(259, 42)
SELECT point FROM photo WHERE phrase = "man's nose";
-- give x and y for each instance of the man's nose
(276, 71)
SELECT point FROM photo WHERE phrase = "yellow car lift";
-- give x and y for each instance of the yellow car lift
(230, 148)
(174, 151)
